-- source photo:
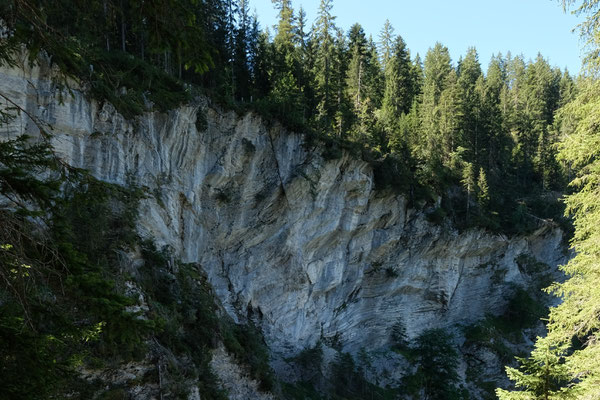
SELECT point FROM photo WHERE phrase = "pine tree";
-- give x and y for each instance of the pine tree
(588, 29)
(576, 315)
(262, 65)
(567, 89)
(230, 27)
(286, 97)
(374, 77)
(213, 19)
(437, 363)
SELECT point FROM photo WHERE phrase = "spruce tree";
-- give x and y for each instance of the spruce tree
(386, 42)
(324, 38)
(449, 122)
(285, 27)
(342, 110)
(286, 98)
(418, 76)
(262, 65)
(363, 84)
(471, 132)
(399, 86)
(543, 374)
(497, 159)
(469, 184)
(306, 56)
(242, 51)
(356, 78)
(438, 77)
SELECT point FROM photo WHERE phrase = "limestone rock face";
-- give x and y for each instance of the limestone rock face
(304, 246)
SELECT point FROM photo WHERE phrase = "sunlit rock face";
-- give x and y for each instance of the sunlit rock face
(305, 247)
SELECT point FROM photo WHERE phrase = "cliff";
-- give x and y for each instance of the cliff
(303, 246)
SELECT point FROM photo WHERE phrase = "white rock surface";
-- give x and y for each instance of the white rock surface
(304, 246)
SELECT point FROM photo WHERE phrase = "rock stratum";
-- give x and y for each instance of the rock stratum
(305, 247)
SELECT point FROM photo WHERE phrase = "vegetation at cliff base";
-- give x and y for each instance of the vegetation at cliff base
(68, 299)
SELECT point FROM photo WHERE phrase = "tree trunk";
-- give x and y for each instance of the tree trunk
(104, 3)
(123, 27)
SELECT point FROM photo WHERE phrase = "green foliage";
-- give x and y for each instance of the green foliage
(63, 304)
(310, 359)
(83, 45)
(246, 343)
(95, 222)
(300, 391)
(130, 84)
(544, 374)
(62, 301)
(399, 339)
(398, 174)
(34, 364)
(484, 143)
(20, 160)
(58, 305)
(38, 350)
(436, 361)
(309, 362)
(565, 364)
(498, 333)
(348, 381)
(530, 265)
(114, 394)
(183, 305)
(522, 311)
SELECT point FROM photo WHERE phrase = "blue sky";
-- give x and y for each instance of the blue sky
(520, 26)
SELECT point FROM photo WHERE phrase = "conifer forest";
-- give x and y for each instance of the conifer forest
(463, 167)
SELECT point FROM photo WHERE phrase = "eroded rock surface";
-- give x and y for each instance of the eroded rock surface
(304, 246)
